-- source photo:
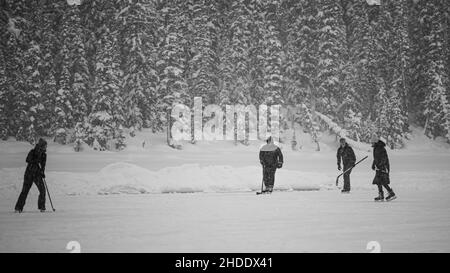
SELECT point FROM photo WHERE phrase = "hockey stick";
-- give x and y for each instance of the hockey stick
(48, 193)
(337, 178)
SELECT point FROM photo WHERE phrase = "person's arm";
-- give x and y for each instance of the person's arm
(280, 157)
(373, 162)
(261, 158)
(352, 155)
(31, 157)
(338, 155)
(43, 162)
(384, 162)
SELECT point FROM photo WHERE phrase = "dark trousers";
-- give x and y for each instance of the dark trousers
(347, 177)
(27, 183)
(380, 188)
(269, 176)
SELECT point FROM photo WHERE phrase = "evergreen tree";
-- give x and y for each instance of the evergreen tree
(390, 119)
(172, 62)
(331, 54)
(235, 71)
(105, 123)
(73, 92)
(203, 61)
(272, 54)
(436, 103)
(3, 98)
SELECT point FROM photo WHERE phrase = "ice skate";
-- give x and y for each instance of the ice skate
(380, 197)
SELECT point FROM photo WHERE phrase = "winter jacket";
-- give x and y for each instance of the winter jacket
(36, 159)
(347, 155)
(271, 156)
(380, 157)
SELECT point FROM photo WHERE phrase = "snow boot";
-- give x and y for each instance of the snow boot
(380, 197)
(18, 211)
(345, 191)
(391, 196)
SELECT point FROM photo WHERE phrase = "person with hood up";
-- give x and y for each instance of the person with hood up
(382, 169)
(34, 173)
(271, 158)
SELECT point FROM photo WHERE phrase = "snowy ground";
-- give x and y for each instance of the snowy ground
(118, 202)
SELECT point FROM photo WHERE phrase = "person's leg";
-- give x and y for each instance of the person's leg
(27, 182)
(41, 187)
(266, 175)
(347, 179)
(386, 186)
(380, 196)
(272, 178)
(391, 194)
(380, 189)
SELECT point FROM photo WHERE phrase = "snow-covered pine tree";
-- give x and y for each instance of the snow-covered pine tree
(73, 92)
(3, 77)
(234, 57)
(390, 120)
(32, 100)
(203, 62)
(436, 106)
(104, 128)
(292, 76)
(303, 58)
(3, 96)
(352, 122)
(14, 43)
(447, 45)
(256, 66)
(309, 123)
(138, 40)
(331, 54)
(362, 50)
(46, 36)
(172, 58)
(390, 33)
(272, 54)
(437, 109)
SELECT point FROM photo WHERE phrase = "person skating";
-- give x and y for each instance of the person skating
(34, 173)
(345, 152)
(271, 158)
(382, 169)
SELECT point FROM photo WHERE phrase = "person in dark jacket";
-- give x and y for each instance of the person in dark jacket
(345, 152)
(271, 158)
(34, 173)
(382, 169)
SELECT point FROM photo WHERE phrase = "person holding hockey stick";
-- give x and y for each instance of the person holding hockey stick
(345, 152)
(35, 172)
(271, 158)
(382, 168)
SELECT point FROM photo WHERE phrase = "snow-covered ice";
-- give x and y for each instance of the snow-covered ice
(202, 199)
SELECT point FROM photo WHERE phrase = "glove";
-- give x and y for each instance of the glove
(339, 167)
(262, 163)
(43, 174)
(373, 167)
(280, 165)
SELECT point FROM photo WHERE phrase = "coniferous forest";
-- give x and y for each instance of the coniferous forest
(104, 68)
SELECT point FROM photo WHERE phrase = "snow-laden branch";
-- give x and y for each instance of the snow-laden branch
(342, 133)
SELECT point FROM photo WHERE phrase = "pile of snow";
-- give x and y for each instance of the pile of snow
(419, 142)
(125, 178)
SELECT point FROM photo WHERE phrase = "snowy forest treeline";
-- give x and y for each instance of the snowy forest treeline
(96, 70)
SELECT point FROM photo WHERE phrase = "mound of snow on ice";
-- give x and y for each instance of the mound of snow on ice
(125, 178)
(418, 142)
